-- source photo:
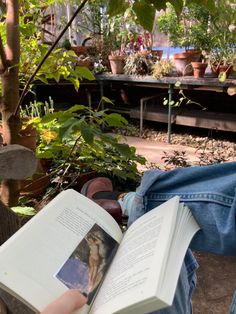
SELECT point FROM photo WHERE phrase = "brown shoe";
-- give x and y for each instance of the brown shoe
(99, 184)
(102, 184)
(112, 207)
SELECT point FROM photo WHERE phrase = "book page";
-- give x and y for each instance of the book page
(38, 263)
(185, 229)
(133, 276)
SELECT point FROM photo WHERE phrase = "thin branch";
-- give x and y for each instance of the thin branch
(47, 54)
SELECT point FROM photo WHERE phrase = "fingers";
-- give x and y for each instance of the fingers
(67, 303)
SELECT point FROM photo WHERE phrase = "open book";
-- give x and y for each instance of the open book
(74, 243)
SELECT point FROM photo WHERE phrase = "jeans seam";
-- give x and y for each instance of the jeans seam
(217, 198)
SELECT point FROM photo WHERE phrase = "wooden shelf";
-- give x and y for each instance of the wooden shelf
(189, 117)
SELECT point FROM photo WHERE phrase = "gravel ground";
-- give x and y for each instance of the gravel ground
(215, 146)
(214, 293)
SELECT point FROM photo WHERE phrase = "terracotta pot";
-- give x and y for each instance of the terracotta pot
(28, 138)
(226, 68)
(36, 185)
(195, 54)
(183, 63)
(199, 69)
(117, 64)
(215, 69)
(79, 50)
(158, 53)
(85, 63)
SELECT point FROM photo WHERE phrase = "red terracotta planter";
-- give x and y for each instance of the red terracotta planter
(199, 69)
(225, 68)
(117, 64)
(183, 63)
(158, 53)
(216, 69)
(195, 54)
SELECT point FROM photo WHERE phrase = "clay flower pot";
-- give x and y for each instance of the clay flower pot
(182, 62)
(199, 69)
(194, 54)
(85, 63)
(157, 53)
(225, 68)
(117, 64)
(215, 69)
(79, 50)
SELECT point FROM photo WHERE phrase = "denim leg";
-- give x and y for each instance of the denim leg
(233, 305)
(210, 194)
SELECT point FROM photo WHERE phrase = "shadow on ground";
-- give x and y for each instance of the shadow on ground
(216, 284)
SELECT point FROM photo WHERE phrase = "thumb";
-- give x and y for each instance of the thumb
(67, 303)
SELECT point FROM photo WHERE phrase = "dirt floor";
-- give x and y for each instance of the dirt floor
(216, 284)
(216, 274)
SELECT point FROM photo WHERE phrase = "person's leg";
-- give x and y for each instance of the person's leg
(208, 191)
(233, 305)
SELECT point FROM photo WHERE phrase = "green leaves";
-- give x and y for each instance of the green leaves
(86, 132)
(158, 4)
(222, 77)
(77, 134)
(208, 4)
(24, 210)
(85, 73)
(115, 120)
(145, 13)
(178, 6)
(116, 7)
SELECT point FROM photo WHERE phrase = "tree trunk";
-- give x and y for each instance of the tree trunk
(10, 122)
(9, 223)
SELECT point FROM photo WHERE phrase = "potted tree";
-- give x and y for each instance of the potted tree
(222, 27)
(189, 31)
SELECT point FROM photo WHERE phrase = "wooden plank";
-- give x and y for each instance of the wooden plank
(195, 118)
(208, 120)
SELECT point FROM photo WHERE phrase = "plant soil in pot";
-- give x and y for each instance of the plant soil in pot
(199, 69)
(117, 64)
(182, 63)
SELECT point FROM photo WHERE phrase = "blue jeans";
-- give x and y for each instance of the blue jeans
(209, 192)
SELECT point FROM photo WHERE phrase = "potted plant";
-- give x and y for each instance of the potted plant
(163, 67)
(76, 143)
(117, 61)
(222, 26)
(199, 68)
(138, 64)
(188, 31)
(222, 61)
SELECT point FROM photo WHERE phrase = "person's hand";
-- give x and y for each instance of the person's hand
(67, 303)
